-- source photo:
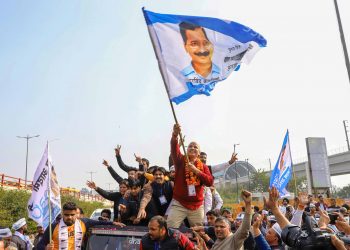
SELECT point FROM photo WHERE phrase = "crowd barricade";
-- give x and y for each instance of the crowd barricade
(13, 183)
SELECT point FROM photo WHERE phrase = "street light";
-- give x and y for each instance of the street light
(27, 138)
(246, 160)
(91, 173)
(234, 151)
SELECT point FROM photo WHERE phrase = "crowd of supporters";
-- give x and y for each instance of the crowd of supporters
(184, 195)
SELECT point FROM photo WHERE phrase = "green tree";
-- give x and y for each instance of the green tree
(344, 192)
(13, 206)
(259, 181)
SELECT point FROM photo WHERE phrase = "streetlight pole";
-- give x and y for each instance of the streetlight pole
(346, 134)
(248, 174)
(91, 173)
(27, 138)
(342, 38)
(234, 151)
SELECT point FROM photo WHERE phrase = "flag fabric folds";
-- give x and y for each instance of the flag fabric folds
(282, 172)
(45, 179)
(194, 53)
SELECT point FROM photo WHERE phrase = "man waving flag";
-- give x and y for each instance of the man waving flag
(194, 53)
(282, 172)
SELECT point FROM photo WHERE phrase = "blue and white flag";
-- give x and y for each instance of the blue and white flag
(194, 53)
(282, 172)
(44, 179)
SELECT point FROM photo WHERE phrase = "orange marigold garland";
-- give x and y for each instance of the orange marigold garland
(191, 178)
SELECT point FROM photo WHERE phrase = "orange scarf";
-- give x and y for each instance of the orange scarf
(191, 178)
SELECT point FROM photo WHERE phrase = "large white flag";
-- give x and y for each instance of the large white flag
(45, 179)
(195, 52)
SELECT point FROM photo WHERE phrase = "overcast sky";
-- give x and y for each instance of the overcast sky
(84, 72)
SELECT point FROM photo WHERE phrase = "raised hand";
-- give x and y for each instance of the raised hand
(176, 129)
(256, 226)
(246, 197)
(117, 150)
(324, 219)
(272, 202)
(91, 184)
(105, 163)
(138, 158)
(233, 158)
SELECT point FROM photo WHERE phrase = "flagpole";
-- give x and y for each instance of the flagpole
(164, 74)
(49, 192)
(291, 160)
(342, 38)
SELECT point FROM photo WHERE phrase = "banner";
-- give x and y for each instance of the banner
(194, 53)
(44, 179)
(282, 172)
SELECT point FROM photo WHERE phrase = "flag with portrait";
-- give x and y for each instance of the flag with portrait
(194, 53)
(282, 171)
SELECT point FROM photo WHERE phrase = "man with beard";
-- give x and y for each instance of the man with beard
(19, 238)
(159, 236)
(159, 190)
(68, 232)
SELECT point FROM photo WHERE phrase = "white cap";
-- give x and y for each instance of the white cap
(172, 168)
(264, 212)
(18, 224)
(276, 227)
(5, 233)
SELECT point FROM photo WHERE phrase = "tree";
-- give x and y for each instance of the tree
(344, 192)
(259, 181)
(13, 206)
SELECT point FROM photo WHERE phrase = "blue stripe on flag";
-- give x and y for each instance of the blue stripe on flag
(237, 31)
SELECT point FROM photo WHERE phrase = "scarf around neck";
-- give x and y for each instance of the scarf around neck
(63, 235)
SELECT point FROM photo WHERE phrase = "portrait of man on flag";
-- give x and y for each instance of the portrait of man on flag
(194, 53)
(200, 49)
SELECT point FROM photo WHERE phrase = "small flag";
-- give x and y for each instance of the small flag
(194, 53)
(44, 179)
(282, 172)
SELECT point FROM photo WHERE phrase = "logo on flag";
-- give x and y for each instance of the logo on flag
(45, 179)
(282, 172)
(194, 53)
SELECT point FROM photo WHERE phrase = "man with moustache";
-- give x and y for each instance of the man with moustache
(68, 232)
(159, 236)
(200, 49)
(159, 190)
(225, 238)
